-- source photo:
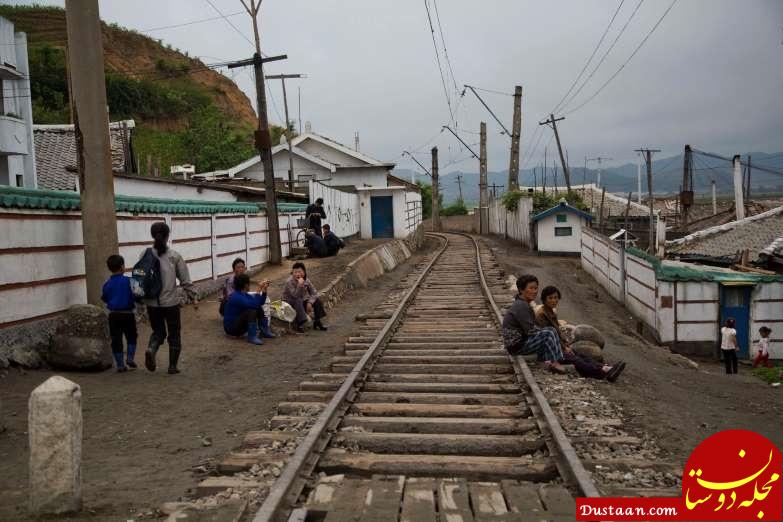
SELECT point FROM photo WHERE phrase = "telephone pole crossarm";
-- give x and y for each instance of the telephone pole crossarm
(417, 162)
(462, 141)
(553, 121)
(505, 130)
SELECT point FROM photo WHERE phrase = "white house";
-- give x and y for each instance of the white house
(386, 212)
(559, 229)
(315, 158)
(17, 157)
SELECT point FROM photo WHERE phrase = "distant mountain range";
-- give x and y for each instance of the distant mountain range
(667, 177)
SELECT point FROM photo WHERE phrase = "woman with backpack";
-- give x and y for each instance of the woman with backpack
(162, 296)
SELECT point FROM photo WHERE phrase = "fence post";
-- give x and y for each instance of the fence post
(247, 242)
(213, 244)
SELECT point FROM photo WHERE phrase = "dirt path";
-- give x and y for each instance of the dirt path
(144, 434)
(661, 394)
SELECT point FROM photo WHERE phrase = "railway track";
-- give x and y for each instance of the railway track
(424, 417)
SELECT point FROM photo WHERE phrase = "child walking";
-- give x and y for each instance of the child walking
(762, 357)
(118, 296)
(728, 345)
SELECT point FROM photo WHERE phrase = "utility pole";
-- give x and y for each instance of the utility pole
(91, 120)
(458, 181)
(283, 78)
(648, 160)
(747, 192)
(553, 121)
(516, 131)
(262, 137)
(299, 108)
(686, 190)
(639, 179)
(483, 200)
(739, 202)
(494, 190)
(714, 199)
(599, 159)
(435, 191)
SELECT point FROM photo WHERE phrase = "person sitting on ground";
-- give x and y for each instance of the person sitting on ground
(238, 266)
(762, 357)
(316, 246)
(243, 310)
(521, 336)
(546, 316)
(300, 293)
(333, 243)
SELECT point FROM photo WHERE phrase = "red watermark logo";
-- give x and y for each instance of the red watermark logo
(731, 475)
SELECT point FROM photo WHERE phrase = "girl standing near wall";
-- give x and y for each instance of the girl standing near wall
(729, 346)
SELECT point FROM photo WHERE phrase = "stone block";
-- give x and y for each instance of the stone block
(55, 429)
(81, 340)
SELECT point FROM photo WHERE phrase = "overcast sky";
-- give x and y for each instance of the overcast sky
(711, 74)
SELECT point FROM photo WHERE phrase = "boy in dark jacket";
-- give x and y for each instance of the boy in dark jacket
(243, 310)
(118, 296)
(333, 243)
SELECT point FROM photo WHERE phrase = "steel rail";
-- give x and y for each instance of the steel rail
(569, 462)
(293, 477)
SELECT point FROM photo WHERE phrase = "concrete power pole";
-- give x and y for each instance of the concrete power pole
(714, 199)
(435, 192)
(639, 180)
(459, 186)
(263, 138)
(283, 78)
(91, 119)
(648, 160)
(739, 201)
(553, 121)
(516, 131)
(599, 159)
(483, 199)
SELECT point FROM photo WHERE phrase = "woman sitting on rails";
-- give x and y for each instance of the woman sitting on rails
(300, 293)
(546, 317)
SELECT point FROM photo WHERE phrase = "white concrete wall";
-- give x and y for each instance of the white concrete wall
(514, 225)
(399, 209)
(144, 188)
(549, 242)
(329, 154)
(42, 255)
(302, 167)
(342, 209)
(7, 52)
(767, 310)
(364, 177)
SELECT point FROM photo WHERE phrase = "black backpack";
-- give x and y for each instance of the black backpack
(147, 274)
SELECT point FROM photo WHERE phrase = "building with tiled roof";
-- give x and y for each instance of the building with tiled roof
(56, 160)
(725, 243)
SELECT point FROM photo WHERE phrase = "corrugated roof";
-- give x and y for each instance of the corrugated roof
(13, 197)
(679, 271)
(562, 207)
(55, 154)
(614, 205)
(754, 233)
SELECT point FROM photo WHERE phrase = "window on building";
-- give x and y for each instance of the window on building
(562, 218)
(563, 231)
(19, 180)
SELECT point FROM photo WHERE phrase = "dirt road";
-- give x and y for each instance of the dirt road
(661, 396)
(145, 433)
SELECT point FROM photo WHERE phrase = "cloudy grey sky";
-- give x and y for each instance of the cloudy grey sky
(711, 74)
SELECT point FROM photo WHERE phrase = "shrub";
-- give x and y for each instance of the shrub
(457, 209)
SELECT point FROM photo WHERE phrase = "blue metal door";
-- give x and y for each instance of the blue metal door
(382, 212)
(735, 302)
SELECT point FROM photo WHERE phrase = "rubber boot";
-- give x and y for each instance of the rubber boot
(318, 325)
(120, 363)
(252, 334)
(131, 356)
(149, 355)
(173, 359)
(265, 330)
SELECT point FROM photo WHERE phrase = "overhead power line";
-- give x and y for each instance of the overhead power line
(193, 22)
(224, 17)
(638, 47)
(445, 50)
(437, 59)
(587, 63)
(603, 58)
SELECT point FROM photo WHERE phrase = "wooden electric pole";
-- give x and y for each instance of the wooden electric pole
(435, 192)
(483, 199)
(262, 137)
(91, 121)
(553, 121)
(288, 137)
(648, 160)
(516, 131)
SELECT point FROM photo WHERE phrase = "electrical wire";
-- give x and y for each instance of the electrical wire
(493, 91)
(224, 17)
(437, 59)
(603, 58)
(193, 22)
(443, 41)
(641, 44)
(587, 63)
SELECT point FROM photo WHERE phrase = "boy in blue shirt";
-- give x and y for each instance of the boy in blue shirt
(118, 296)
(243, 310)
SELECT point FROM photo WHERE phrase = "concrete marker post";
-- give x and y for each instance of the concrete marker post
(55, 431)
